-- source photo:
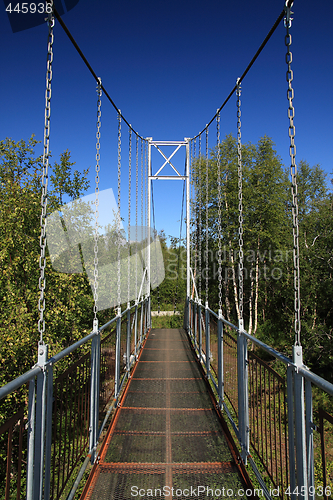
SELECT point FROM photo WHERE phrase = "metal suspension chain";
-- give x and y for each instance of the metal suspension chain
(97, 169)
(119, 206)
(240, 202)
(129, 211)
(42, 259)
(207, 184)
(199, 222)
(136, 211)
(293, 172)
(219, 204)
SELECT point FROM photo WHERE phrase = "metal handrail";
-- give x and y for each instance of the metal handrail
(296, 397)
(11, 386)
(19, 381)
(41, 400)
(308, 374)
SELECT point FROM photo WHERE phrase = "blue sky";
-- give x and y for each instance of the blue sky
(168, 66)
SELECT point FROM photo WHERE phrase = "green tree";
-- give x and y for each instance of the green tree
(268, 245)
(68, 297)
(65, 182)
(172, 291)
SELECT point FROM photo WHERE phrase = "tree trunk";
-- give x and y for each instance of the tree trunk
(231, 254)
(227, 301)
(314, 314)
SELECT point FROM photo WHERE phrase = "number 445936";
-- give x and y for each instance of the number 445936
(312, 490)
(32, 8)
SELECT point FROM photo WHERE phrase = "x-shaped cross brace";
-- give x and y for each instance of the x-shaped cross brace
(167, 160)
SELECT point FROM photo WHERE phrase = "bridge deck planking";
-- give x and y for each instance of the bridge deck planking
(166, 432)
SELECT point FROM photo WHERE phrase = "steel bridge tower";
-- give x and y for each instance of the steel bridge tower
(176, 176)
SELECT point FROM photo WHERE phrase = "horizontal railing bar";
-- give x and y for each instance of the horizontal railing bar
(259, 478)
(78, 478)
(215, 384)
(268, 349)
(316, 380)
(312, 377)
(10, 423)
(70, 349)
(212, 313)
(263, 346)
(123, 379)
(223, 319)
(88, 337)
(111, 408)
(113, 320)
(233, 423)
(17, 382)
(27, 376)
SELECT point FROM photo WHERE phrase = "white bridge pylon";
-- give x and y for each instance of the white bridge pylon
(177, 176)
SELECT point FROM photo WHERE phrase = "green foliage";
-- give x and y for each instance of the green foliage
(171, 292)
(64, 184)
(268, 243)
(69, 300)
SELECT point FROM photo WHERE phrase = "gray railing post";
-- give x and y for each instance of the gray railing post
(118, 350)
(146, 316)
(300, 432)
(128, 339)
(195, 324)
(291, 437)
(200, 331)
(136, 329)
(141, 321)
(243, 392)
(149, 312)
(207, 321)
(220, 371)
(31, 439)
(94, 391)
(40, 417)
(309, 438)
(48, 432)
(187, 316)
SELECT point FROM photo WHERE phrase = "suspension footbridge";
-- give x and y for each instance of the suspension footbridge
(145, 412)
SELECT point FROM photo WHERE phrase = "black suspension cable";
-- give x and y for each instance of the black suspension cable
(270, 33)
(68, 33)
(254, 58)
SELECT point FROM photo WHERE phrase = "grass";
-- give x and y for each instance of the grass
(167, 321)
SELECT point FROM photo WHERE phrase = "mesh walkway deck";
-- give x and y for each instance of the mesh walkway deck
(166, 432)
